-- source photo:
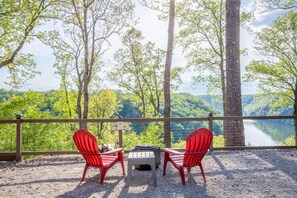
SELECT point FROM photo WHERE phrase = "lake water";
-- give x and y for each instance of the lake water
(266, 133)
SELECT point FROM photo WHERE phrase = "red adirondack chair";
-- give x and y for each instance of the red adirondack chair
(197, 145)
(86, 143)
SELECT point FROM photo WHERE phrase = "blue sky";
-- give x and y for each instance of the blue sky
(153, 30)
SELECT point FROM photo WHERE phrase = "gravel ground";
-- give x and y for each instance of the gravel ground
(250, 173)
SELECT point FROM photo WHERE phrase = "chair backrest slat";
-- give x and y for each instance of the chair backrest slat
(86, 143)
(197, 144)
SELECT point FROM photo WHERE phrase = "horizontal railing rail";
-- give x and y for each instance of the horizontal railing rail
(23, 120)
(19, 121)
(103, 120)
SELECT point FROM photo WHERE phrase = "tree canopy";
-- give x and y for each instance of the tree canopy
(277, 70)
(139, 69)
(19, 22)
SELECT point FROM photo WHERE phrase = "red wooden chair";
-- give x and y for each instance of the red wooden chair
(197, 144)
(87, 146)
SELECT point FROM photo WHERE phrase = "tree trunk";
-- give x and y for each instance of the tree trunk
(223, 83)
(234, 135)
(295, 120)
(79, 94)
(143, 106)
(167, 136)
(295, 112)
(86, 77)
(78, 104)
(86, 100)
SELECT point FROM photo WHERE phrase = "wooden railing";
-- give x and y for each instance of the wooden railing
(19, 121)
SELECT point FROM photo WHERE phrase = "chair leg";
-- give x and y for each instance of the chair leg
(103, 173)
(166, 158)
(202, 172)
(121, 158)
(182, 175)
(129, 171)
(85, 171)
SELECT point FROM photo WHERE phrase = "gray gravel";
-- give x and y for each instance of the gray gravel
(260, 173)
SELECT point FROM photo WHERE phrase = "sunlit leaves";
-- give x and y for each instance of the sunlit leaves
(153, 135)
(202, 28)
(276, 45)
(63, 104)
(18, 23)
(87, 28)
(290, 141)
(279, 4)
(139, 70)
(102, 105)
(38, 136)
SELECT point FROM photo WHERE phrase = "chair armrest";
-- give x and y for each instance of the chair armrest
(171, 151)
(89, 153)
(195, 153)
(112, 151)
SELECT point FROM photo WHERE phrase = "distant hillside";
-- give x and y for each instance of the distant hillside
(183, 105)
(214, 102)
(253, 105)
(187, 105)
(262, 105)
(5, 95)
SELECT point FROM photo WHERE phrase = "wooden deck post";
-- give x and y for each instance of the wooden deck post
(210, 127)
(120, 129)
(19, 137)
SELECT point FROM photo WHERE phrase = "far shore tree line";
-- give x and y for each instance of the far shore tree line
(208, 33)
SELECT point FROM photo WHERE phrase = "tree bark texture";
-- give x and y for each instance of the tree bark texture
(167, 135)
(234, 135)
(295, 111)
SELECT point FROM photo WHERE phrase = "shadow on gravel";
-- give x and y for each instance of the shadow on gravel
(24, 165)
(276, 160)
(168, 187)
(41, 181)
(39, 161)
(91, 186)
(115, 186)
(229, 173)
(224, 171)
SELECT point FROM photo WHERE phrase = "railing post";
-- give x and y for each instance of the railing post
(120, 129)
(210, 127)
(19, 137)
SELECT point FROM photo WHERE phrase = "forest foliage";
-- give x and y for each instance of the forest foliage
(109, 104)
(105, 104)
